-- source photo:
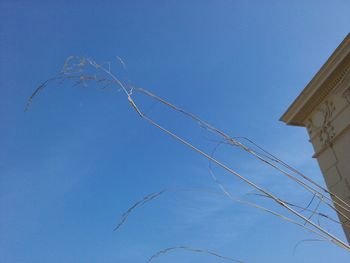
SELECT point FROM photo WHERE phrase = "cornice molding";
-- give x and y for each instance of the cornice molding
(323, 83)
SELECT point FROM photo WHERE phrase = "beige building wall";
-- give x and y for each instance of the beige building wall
(323, 108)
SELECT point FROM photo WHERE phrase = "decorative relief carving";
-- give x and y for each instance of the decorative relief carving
(310, 126)
(327, 131)
(320, 124)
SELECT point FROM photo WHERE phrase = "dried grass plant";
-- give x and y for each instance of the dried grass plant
(82, 71)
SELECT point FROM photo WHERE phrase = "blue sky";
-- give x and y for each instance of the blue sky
(79, 158)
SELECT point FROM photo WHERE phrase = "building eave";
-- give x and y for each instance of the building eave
(330, 74)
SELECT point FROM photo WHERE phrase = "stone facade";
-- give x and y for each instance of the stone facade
(323, 108)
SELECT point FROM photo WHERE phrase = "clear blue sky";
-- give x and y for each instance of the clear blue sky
(80, 157)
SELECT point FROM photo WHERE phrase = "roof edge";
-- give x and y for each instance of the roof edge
(313, 89)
